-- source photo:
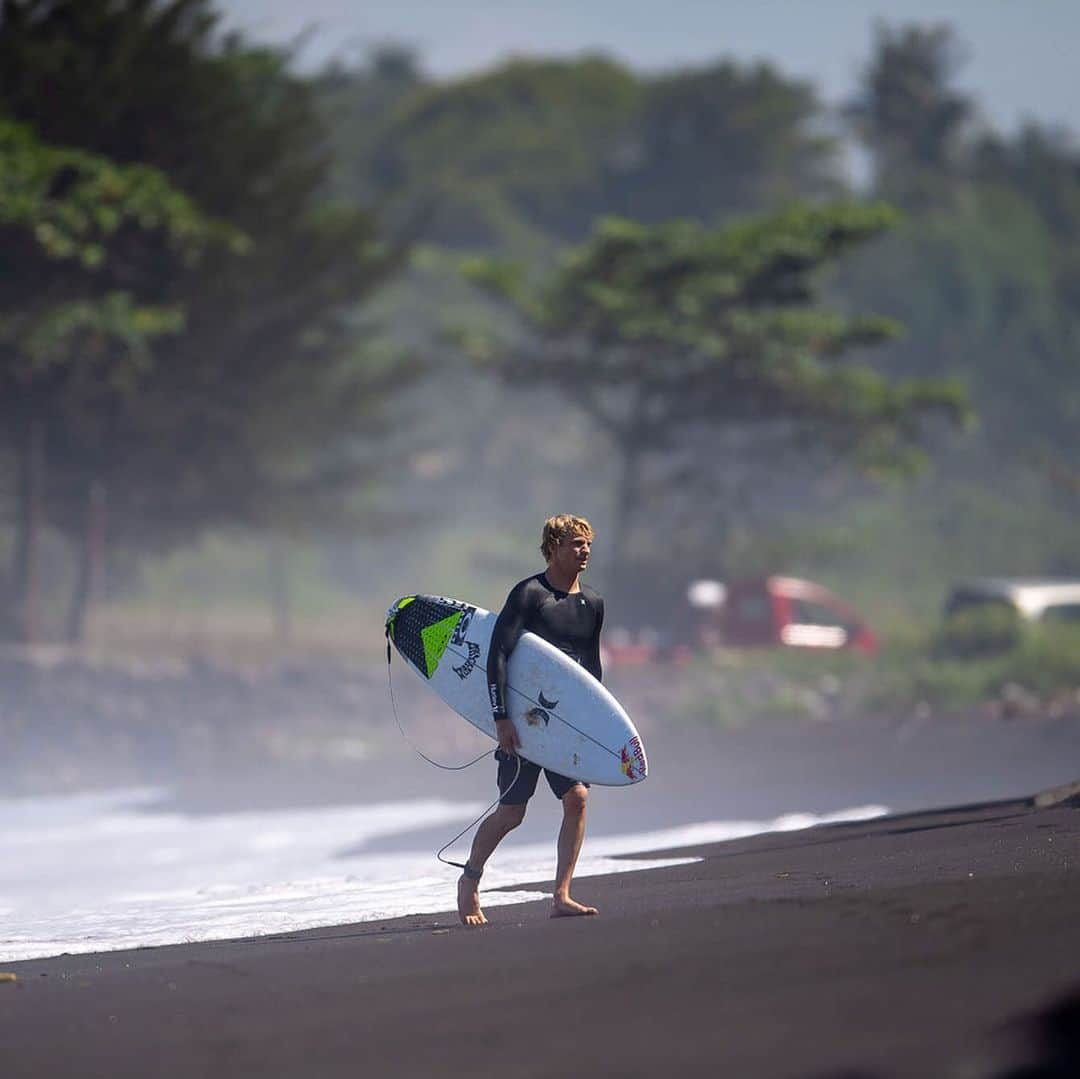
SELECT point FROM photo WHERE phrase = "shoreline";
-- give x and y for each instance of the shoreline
(898, 946)
(113, 875)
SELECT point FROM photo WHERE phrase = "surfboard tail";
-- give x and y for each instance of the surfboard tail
(392, 612)
(422, 627)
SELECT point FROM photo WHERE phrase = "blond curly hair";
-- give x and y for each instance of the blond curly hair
(559, 528)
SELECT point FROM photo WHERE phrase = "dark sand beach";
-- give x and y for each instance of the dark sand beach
(913, 945)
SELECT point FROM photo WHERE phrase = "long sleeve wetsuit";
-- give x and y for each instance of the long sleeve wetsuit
(569, 620)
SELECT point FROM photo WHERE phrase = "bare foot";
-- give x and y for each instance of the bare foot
(468, 902)
(569, 908)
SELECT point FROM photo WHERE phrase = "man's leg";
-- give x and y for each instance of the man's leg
(571, 836)
(488, 836)
(516, 779)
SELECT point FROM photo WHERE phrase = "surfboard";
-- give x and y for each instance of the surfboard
(565, 719)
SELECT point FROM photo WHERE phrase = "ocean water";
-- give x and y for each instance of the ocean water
(106, 870)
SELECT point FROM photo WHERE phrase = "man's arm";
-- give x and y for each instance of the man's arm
(509, 627)
(590, 656)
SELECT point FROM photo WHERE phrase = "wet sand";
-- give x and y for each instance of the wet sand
(902, 946)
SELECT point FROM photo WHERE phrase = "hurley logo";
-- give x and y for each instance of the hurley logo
(535, 716)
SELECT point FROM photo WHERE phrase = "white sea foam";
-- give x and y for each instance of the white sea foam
(103, 871)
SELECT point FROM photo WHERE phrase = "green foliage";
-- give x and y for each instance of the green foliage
(1043, 661)
(910, 675)
(522, 158)
(59, 205)
(978, 631)
(647, 281)
(1040, 165)
(908, 115)
(722, 140)
(252, 409)
(1047, 660)
(528, 140)
(663, 332)
(983, 273)
(210, 385)
(73, 345)
(357, 105)
(714, 326)
(87, 332)
(242, 134)
(74, 202)
(740, 688)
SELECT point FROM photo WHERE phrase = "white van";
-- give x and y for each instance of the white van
(1034, 599)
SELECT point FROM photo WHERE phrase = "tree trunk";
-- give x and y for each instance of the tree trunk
(280, 594)
(30, 520)
(90, 580)
(626, 503)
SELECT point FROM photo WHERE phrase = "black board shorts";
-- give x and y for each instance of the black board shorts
(518, 792)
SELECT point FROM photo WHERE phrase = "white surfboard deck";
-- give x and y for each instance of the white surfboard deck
(565, 719)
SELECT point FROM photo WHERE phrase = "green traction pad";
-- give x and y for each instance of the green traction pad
(436, 638)
(421, 628)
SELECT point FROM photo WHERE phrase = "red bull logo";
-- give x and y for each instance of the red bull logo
(632, 760)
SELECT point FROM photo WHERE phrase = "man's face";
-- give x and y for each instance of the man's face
(571, 553)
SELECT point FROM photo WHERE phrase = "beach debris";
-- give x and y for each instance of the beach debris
(1066, 794)
(7, 976)
(1018, 702)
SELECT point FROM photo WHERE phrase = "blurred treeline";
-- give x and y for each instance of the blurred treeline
(242, 357)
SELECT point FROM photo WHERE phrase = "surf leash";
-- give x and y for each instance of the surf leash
(445, 767)
(469, 827)
(418, 750)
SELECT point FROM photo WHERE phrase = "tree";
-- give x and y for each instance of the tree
(524, 156)
(1040, 164)
(73, 227)
(714, 142)
(358, 105)
(908, 115)
(514, 156)
(660, 331)
(1040, 169)
(237, 130)
(987, 289)
(983, 272)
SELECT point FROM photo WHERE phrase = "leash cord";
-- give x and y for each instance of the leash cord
(461, 865)
(446, 767)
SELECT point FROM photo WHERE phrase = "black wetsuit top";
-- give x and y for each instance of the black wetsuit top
(569, 620)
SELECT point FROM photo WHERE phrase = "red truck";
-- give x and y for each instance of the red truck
(786, 611)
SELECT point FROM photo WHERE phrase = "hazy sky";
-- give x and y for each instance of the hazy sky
(1022, 53)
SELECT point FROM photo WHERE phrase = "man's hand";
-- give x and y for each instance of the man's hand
(508, 739)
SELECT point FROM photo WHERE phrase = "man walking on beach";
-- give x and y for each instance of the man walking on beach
(556, 606)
